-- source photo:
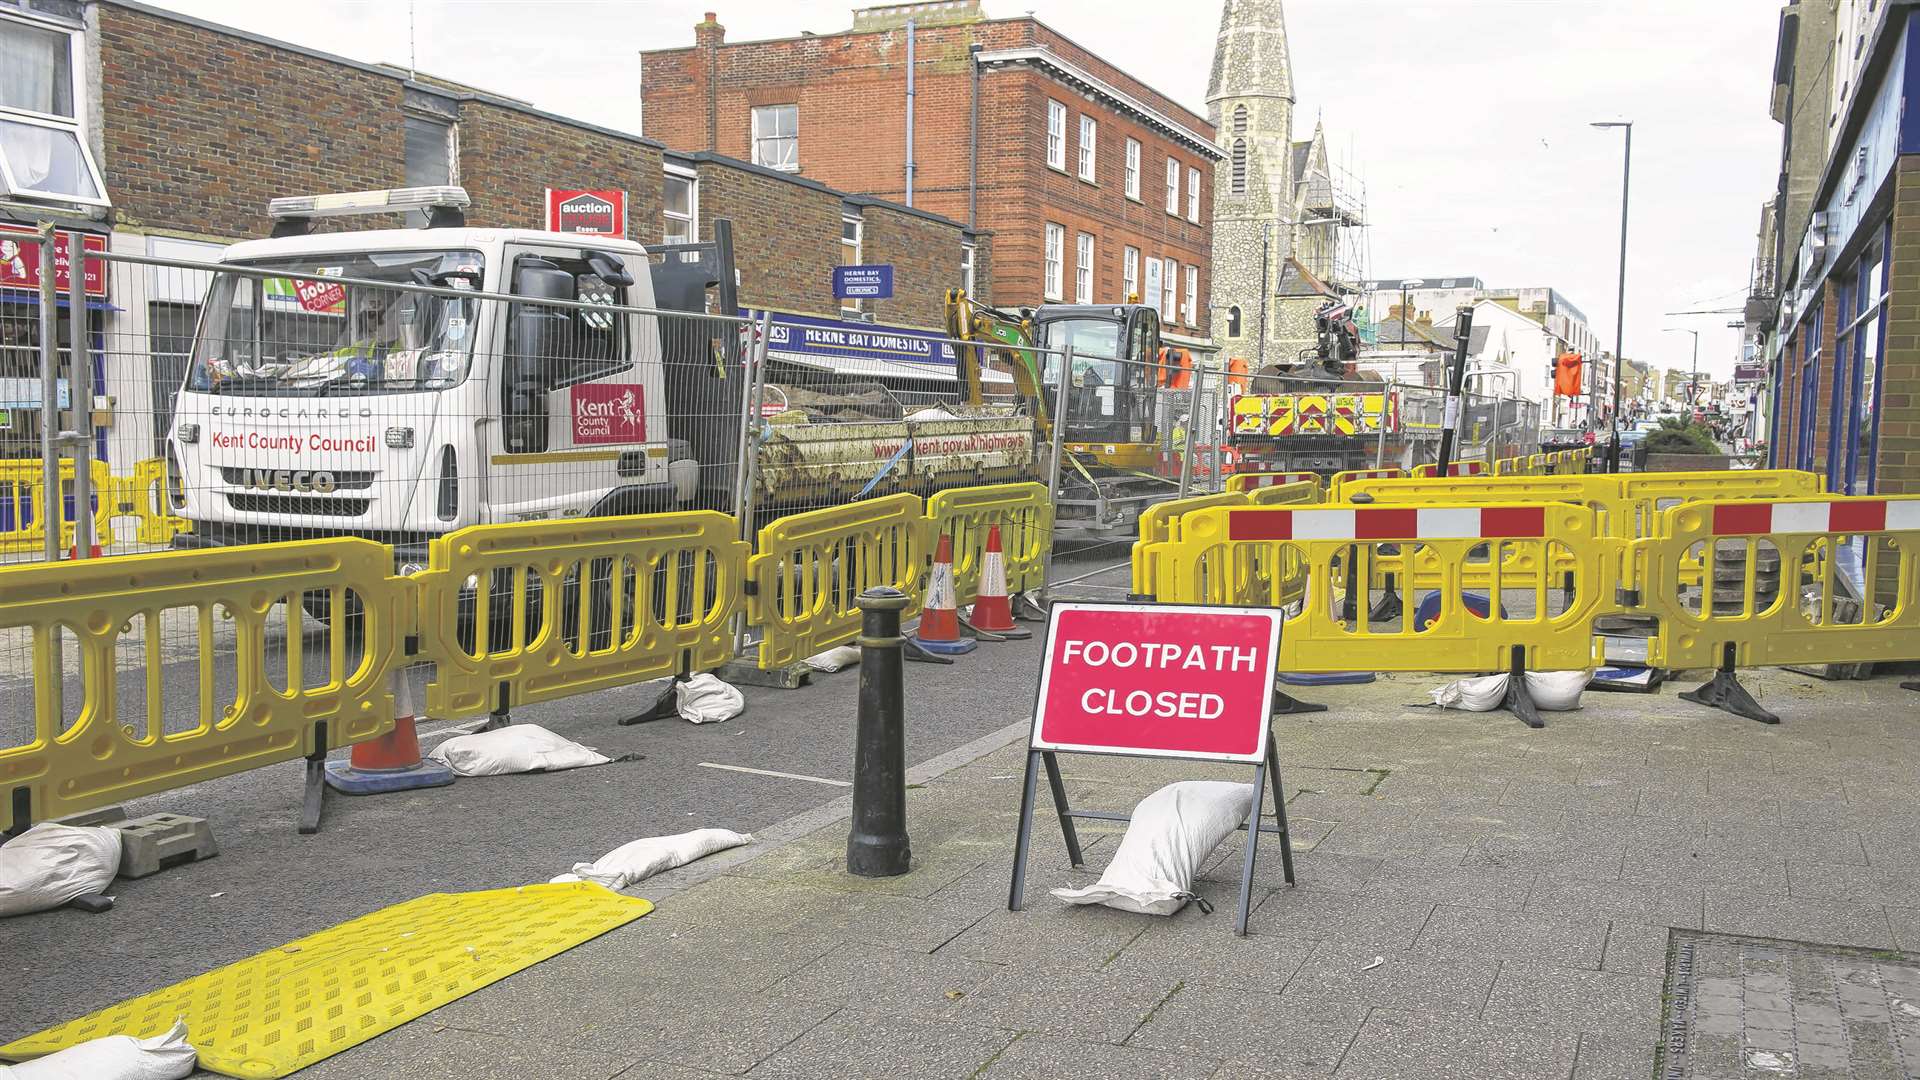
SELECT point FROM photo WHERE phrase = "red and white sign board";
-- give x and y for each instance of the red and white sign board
(20, 261)
(1158, 680)
(320, 297)
(598, 212)
(608, 413)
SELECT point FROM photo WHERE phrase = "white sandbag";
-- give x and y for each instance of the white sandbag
(115, 1057)
(835, 659)
(641, 859)
(1483, 693)
(1557, 691)
(50, 864)
(1172, 832)
(704, 699)
(518, 748)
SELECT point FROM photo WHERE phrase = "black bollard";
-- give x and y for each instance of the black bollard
(877, 846)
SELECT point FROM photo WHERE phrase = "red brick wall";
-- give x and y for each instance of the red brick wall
(200, 129)
(786, 237)
(925, 256)
(850, 91)
(509, 158)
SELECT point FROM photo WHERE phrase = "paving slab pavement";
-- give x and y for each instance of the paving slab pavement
(1474, 900)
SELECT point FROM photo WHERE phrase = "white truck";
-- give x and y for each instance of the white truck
(321, 399)
(396, 384)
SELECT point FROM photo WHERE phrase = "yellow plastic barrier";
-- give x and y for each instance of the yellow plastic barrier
(1796, 581)
(1537, 465)
(1158, 523)
(1305, 492)
(1252, 481)
(1509, 467)
(228, 616)
(549, 609)
(1531, 621)
(1630, 502)
(1025, 518)
(1454, 468)
(1643, 496)
(22, 501)
(143, 496)
(1337, 485)
(809, 568)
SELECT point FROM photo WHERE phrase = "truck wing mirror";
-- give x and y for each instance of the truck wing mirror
(608, 268)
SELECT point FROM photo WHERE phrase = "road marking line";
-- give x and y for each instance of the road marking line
(781, 775)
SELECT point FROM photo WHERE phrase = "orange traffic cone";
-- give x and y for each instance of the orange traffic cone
(940, 620)
(992, 610)
(391, 762)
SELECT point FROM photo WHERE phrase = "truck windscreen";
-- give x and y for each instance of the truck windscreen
(303, 333)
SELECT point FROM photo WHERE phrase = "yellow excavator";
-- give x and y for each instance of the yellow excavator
(1111, 444)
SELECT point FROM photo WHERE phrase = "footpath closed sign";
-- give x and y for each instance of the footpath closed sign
(1156, 680)
(1159, 680)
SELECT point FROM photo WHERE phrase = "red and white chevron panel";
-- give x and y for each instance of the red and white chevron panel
(1389, 523)
(1260, 480)
(1466, 468)
(1374, 474)
(1849, 516)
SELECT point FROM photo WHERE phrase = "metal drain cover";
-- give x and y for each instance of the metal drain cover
(1761, 1007)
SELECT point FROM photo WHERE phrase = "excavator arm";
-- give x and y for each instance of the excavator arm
(988, 331)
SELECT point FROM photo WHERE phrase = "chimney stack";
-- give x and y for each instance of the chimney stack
(709, 32)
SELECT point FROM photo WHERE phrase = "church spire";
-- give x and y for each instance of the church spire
(1250, 58)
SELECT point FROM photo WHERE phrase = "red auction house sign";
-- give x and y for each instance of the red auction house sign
(601, 212)
(1156, 680)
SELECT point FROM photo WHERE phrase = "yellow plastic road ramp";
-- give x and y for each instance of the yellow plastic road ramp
(282, 1010)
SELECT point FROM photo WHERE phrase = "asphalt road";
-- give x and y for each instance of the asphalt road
(269, 885)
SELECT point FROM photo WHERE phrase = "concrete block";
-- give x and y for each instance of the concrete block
(157, 842)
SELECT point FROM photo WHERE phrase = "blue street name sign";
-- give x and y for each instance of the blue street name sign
(862, 282)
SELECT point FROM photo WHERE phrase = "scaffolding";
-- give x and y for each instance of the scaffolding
(1333, 223)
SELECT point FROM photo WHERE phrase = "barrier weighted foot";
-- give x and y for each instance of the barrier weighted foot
(1285, 704)
(1724, 692)
(1518, 699)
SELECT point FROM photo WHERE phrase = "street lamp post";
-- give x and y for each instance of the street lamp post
(1620, 314)
(1693, 381)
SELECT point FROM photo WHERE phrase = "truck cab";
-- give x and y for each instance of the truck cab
(403, 383)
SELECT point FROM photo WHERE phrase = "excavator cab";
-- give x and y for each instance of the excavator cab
(1116, 365)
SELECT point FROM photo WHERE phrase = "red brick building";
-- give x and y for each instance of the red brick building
(182, 130)
(1092, 183)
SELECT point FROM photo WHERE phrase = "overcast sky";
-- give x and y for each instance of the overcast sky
(1467, 119)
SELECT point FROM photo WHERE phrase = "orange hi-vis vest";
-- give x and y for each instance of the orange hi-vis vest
(1566, 374)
